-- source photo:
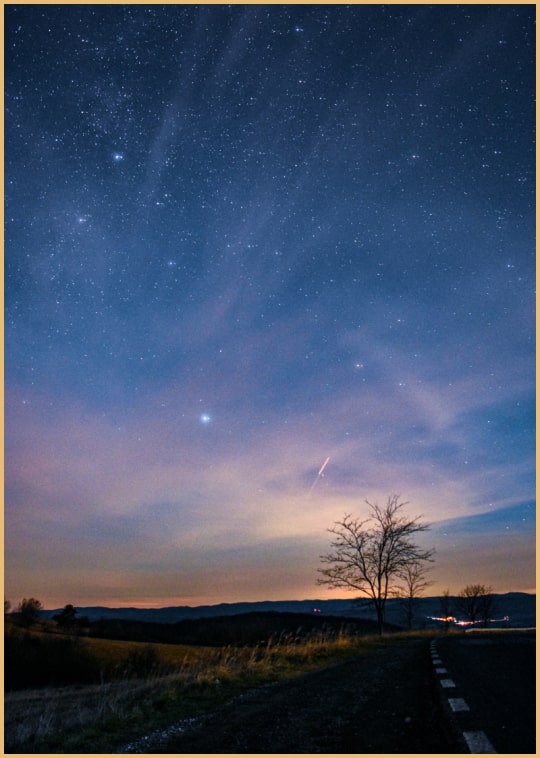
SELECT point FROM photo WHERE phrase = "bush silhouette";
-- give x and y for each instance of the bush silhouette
(32, 661)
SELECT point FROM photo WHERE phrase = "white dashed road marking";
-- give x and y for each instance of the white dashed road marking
(478, 742)
(458, 704)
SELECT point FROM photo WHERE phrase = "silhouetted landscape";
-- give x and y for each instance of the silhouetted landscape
(270, 333)
(102, 679)
(520, 607)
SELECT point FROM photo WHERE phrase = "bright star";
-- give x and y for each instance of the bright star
(117, 157)
(204, 418)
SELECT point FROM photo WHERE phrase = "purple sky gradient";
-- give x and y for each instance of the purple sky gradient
(243, 239)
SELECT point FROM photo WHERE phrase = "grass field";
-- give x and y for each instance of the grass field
(148, 686)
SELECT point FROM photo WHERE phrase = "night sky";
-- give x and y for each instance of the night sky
(243, 239)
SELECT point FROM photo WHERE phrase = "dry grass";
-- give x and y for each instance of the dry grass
(187, 680)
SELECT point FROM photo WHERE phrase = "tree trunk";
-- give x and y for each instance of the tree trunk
(380, 616)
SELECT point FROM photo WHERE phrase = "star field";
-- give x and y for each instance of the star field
(239, 240)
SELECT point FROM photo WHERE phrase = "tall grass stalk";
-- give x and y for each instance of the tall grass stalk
(49, 717)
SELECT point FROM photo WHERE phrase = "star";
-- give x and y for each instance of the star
(315, 254)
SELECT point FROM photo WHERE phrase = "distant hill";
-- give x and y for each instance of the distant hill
(520, 607)
(254, 628)
(172, 614)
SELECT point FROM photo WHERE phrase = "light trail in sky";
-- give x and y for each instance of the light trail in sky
(319, 474)
(265, 245)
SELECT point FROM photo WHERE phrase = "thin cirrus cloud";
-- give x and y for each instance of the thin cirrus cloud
(402, 444)
(274, 250)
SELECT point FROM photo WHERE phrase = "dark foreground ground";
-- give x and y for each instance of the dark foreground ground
(388, 701)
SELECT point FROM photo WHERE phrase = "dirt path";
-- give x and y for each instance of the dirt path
(383, 702)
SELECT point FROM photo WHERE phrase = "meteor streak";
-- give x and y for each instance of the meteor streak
(320, 473)
(323, 466)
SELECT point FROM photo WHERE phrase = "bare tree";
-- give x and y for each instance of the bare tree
(475, 601)
(371, 555)
(488, 605)
(445, 603)
(413, 583)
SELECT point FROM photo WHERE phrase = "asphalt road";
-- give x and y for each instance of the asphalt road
(384, 701)
(495, 674)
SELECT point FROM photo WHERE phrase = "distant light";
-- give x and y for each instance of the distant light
(204, 418)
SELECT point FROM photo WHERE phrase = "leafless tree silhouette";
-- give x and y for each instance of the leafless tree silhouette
(413, 583)
(371, 555)
(476, 602)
